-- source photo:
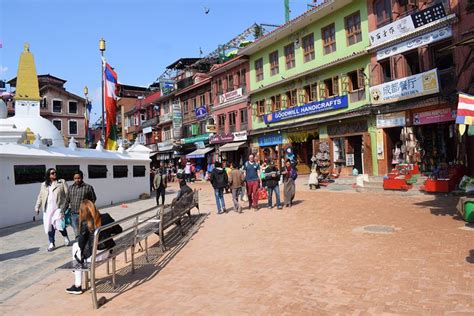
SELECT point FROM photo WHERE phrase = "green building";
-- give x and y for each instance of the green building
(309, 85)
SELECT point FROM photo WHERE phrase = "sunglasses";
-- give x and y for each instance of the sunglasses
(52, 172)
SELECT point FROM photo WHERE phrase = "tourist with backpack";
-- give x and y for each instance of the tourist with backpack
(252, 179)
(219, 181)
(289, 176)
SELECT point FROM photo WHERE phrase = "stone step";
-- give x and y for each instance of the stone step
(373, 184)
(345, 180)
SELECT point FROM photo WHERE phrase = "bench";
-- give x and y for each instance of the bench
(136, 228)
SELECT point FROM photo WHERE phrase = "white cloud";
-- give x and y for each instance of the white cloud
(3, 69)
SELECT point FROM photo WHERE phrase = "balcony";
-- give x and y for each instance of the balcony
(166, 118)
(150, 123)
(186, 82)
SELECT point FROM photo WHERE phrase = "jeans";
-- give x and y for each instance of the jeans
(235, 197)
(219, 193)
(160, 192)
(75, 224)
(52, 232)
(252, 193)
(270, 191)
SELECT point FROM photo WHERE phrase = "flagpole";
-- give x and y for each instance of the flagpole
(102, 49)
(86, 93)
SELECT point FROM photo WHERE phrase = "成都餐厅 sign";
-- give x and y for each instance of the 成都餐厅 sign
(406, 88)
(315, 107)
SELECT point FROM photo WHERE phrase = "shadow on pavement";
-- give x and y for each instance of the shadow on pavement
(18, 253)
(442, 205)
(20, 227)
(470, 259)
(146, 269)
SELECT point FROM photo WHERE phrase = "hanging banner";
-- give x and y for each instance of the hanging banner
(380, 145)
(391, 120)
(421, 40)
(434, 116)
(315, 107)
(406, 88)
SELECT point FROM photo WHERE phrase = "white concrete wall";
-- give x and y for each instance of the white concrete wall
(17, 202)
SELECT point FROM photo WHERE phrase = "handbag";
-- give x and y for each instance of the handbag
(67, 217)
(262, 194)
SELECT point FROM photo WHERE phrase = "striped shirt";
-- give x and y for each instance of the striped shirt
(76, 194)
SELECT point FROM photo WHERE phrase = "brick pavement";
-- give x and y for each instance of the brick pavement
(314, 258)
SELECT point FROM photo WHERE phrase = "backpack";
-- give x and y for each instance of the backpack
(293, 174)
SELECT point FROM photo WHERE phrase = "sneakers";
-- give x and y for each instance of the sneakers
(279, 207)
(76, 290)
(50, 247)
(67, 242)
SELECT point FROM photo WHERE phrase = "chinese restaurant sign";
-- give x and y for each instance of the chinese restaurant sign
(406, 88)
(434, 116)
(424, 39)
(331, 104)
(407, 24)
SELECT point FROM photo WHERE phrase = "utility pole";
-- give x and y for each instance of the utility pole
(287, 11)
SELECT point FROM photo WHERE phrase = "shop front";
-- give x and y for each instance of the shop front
(198, 152)
(300, 143)
(231, 147)
(270, 148)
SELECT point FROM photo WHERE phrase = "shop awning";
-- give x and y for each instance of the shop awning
(231, 146)
(199, 153)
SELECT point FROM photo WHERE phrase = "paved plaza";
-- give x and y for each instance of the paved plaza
(331, 253)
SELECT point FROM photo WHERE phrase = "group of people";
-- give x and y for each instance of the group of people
(74, 205)
(246, 182)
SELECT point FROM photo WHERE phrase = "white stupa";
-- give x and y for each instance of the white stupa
(27, 104)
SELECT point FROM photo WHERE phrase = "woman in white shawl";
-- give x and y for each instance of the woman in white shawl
(51, 199)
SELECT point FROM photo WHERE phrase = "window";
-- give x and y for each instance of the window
(339, 153)
(97, 171)
(230, 82)
(120, 171)
(44, 103)
(290, 56)
(194, 103)
(138, 171)
(72, 107)
(386, 70)
(274, 67)
(186, 106)
(26, 174)
(242, 79)
(203, 99)
(167, 133)
(72, 128)
(329, 39)
(57, 106)
(331, 87)
(57, 124)
(259, 69)
(313, 96)
(66, 172)
(219, 86)
(232, 120)
(383, 12)
(413, 63)
(291, 98)
(406, 6)
(308, 47)
(353, 32)
(221, 121)
(443, 59)
(243, 117)
(276, 103)
(260, 107)
(356, 80)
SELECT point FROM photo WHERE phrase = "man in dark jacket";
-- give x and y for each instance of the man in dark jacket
(219, 181)
(272, 177)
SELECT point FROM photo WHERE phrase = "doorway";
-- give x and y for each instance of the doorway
(354, 144)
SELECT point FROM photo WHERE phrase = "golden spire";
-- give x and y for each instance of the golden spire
(27, 87)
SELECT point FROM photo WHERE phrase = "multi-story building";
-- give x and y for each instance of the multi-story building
(147, 113)
(231, 108)
(417, 69)
(63, 108)
(126, 104)
(309, 89)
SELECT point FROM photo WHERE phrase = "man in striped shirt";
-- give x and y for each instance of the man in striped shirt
(76, 193)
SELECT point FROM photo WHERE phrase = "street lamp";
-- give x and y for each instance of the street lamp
(102, 50)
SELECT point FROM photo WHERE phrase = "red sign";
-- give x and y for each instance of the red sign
(221, 138)
(434, 116)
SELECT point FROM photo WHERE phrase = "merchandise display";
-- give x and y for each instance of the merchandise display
(323, 161)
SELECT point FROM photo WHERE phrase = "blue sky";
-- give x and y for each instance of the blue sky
(143, 36)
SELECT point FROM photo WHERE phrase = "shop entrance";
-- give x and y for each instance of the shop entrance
(302, 144)
(437, 144)
(395, 153)
(354, 144)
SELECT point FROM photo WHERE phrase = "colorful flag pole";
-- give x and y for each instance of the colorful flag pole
(110, 95)
(465, 113)
(87, 117)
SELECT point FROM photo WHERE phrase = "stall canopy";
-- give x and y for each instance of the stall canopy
(199, 153)
(231, 146)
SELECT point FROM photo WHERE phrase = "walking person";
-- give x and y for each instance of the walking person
(272, 177)
(90, 219)
(160, 183)
(219, 181)
(289, 177)
(236, 182)
(50, 201)
(252, 179)
(187, 171)
(76, 193)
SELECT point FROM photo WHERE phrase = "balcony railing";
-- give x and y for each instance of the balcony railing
(151, 122)
(168, 117)
(186, 82)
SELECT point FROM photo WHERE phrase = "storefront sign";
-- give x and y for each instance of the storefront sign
(380, 145)
(166, 86)
(406, 25)
(201, 112)
(269, 140)
(421, 40)
(198, 138)
(227, 138)
(391, 120)
(177, 121)
(232, 95)
(200, 145)
(331, 104)
(147, 130)
(406, 88)
(211, 128)
(166, 145)
(434, 116)
(194, 129)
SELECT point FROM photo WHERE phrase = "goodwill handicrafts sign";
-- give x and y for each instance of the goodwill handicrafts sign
(331, 104)
(406, 88)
